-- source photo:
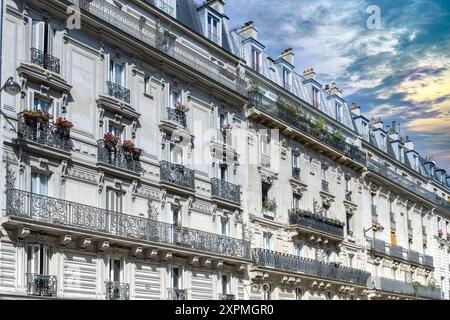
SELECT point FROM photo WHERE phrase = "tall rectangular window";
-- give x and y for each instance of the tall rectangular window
(42, 37)
(39, 184)
(315, 97)
(213, 28)
(339, 114)
(265, 192)
(226, 285)
(176, 154)
(365, 129)
(287, 79)
(400, 154)
(115, 269)
(256, 59)
(324, 172)
(175, 98)
(225, 226)
(114, 200)
(298, 249)
(296, 201)
(116, 130)
(267, 241)
(383, 142)
(38, 257)
(349, 225)
(116, 73)
(175, 278)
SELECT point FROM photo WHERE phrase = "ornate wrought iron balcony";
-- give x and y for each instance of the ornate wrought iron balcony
(177, 174)
(227, 296)
(314, 221)
(177, 116)
(118, 92)
(41, 285)
(407, 184)
(117, 291)
(295, 120)
(43, 209)
(118, 157)
(176, 294)
(156, 39)
(225, 191)
(403, 288)
(310, 267)
(44, 60)
(46, 134)
(325, 186)
(296, 174)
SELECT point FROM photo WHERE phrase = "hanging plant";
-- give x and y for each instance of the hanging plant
(110, 141)
(63, 126)
(128, 146)
(137, 153)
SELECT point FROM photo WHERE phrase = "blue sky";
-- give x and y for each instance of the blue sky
(400, 72)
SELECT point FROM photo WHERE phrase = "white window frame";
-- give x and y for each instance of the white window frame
(256, 59)
(210, 27)
(225, 229)
(112, 275)
(339, 112)
(268, 241)
(113, 64)
(38, 180)
(315, 97)
(114, 200)
(38, 259)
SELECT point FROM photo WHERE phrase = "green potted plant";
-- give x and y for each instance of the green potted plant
(270, 205)
(319, 128)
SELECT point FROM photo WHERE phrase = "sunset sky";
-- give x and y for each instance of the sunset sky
(400, 72)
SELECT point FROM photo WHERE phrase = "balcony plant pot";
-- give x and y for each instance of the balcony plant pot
(63, 127)
(110, 141)
(137, 154)
(128, 146)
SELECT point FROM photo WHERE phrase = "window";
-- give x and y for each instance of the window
(213, 28)
(40, 104)
(347, 184)
(114, 200)
(265, 192)
(298, 249)
(339, 114)
(176, 154)
(349, 225)
(328, 256)
(43, 37)
(116, 73)
(329, 295)
(383, 142)
(223, 172)
(415, 162)
(39, 184)
(400, 154)
(225, 226)
(287, 79)
(296, 201)
(175, 214)
(267, 241)
(315, 97)
(298, 294)
(175, 278)
(175, 98)
(294, 160)
(116, 130)
(226, 285)
(38, 257)
(365, 129)
(267, 289)
(256, 59)
(115, 269)
(324, 172)
(393, 238)
(351, 260)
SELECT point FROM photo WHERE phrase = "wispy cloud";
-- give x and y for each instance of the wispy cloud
(401, 72)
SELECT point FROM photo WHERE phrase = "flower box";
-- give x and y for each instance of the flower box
(63, 126)
(35, 116)
(110, 141)
(128, 146)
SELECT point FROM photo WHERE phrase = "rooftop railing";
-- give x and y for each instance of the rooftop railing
(296, 120)
(58, 212)
(317, 222)
(157, 39)
(291, 263)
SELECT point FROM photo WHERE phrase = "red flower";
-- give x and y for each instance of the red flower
(110, 140)
(128, 145)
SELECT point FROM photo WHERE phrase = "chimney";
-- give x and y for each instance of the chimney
(408, 143)
(355, 109)
(333, 89)
(249, 31)
(377, 123)
(393, 134)
(218, 5)
(288, 55)
(309, 74)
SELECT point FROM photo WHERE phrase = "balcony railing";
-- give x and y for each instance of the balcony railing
(296, 174)
(403, 288)
(397, 252)
(428, 261)
(265, 161)
(293, 119)
(41, 285)
(134, 27)
(225, 191)
(164, 6)
(118, 92)
(325, 186)
(177, 116)
(310, 267)
(45, 134)
(414, 256)
(118, 157)
(57, 212)
(176, 294)
(402, 181)
(45, 60)
(314, 221)
(117, 291)
(177, 174)
(381, 247)
(378, 246)
(227, 296)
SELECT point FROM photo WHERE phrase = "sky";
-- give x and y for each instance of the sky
(398, 69)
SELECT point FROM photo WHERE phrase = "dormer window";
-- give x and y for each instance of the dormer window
(166, 7)
(287, 79)
(256, 60)
(315, 97)
(339, 114)
(213, 29)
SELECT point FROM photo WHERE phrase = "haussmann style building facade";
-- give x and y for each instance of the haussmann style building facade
(156, 152)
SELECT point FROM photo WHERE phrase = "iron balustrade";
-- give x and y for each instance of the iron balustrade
(157, 39)
(265, 161)
(295, 120)
(118, 157)
(310, 267)
(117, 291)
(428, 261)
(227, 297)
(58, 212)
(177, 174)
(225, 190)
(41, 285)
(314, 221)
(325, 186)
(414, 256)
(404, 182)
(404, 288)
(46, 134)
(177, 116)
(176, 294)
(397, 252)
(378, 246)
(296, 174)
(45, 60)
(118, 92)
(164, 6)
